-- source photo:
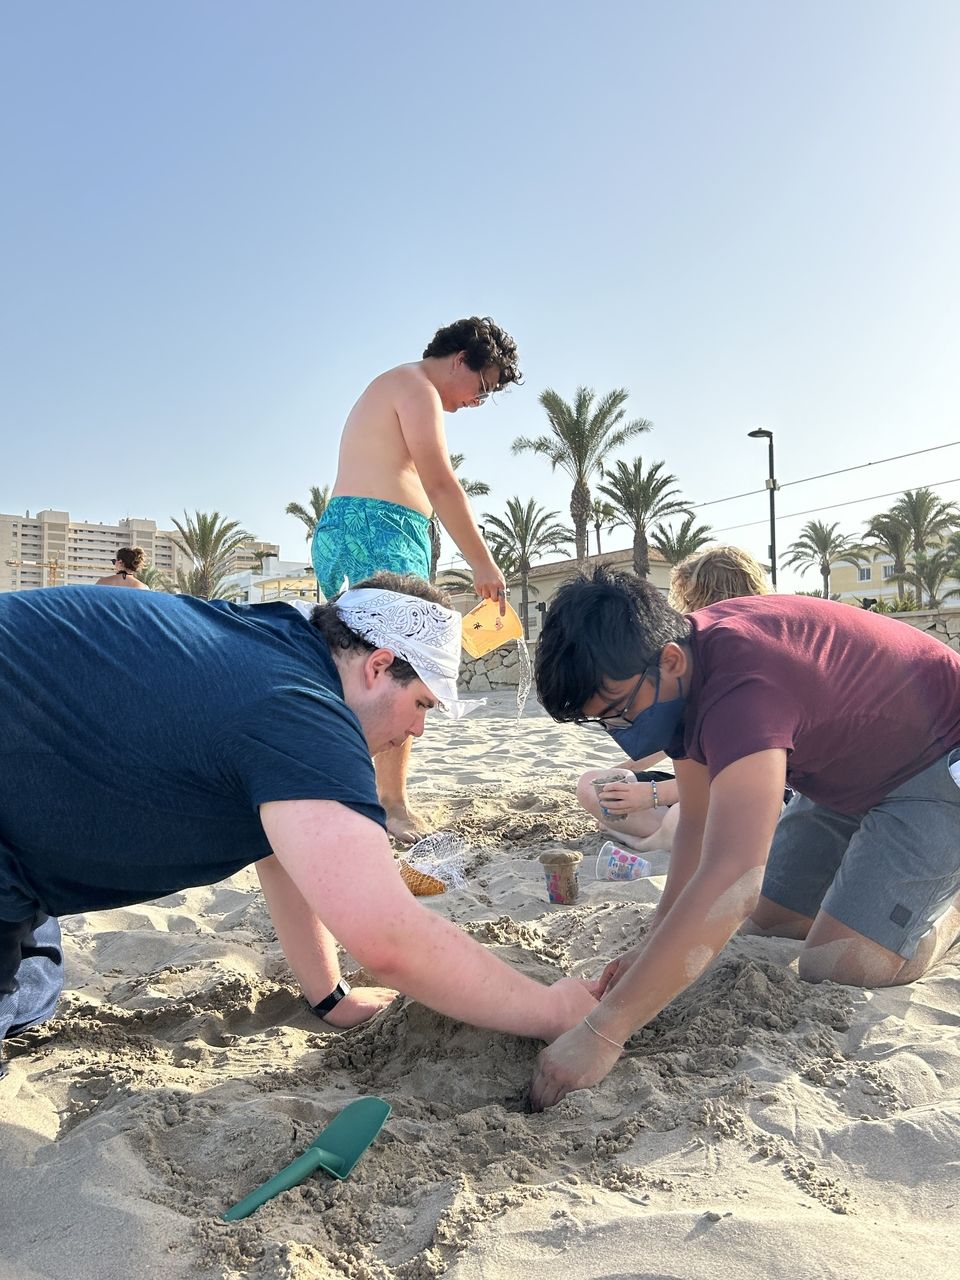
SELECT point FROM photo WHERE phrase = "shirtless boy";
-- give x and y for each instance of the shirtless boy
(394, 472)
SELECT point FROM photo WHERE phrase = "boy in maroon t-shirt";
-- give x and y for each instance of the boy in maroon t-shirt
(859, 713)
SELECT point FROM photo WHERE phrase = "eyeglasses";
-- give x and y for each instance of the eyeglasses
(616, 719)
(485, 392)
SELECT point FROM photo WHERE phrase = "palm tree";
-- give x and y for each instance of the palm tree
(929, 520)
(155, 578)
(601, 515)
(820, 546)
(527, 533)
(582, 437)
(641, 498)
(930, 570)
(473, 489)
(888, 535)
(688, 539)
(311, 517)
(210, 541)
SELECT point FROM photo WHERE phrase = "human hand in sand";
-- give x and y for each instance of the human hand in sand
(574, 998)
(362, 1004)
(615, 970)
(580, 1058)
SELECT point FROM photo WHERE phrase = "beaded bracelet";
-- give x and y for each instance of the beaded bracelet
(653, 789)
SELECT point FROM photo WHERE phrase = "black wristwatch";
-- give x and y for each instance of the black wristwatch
(323, 1007)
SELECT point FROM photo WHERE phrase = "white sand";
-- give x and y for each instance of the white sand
(760, 1127)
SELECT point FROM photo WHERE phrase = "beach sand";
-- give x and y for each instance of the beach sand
(759, 1127)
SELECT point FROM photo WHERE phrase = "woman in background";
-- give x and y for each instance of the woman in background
(128, 561)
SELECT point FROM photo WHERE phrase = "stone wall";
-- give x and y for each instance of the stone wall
(499, 669)
(942, 623)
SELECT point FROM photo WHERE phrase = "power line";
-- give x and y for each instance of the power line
(832, 506)
(898, 457)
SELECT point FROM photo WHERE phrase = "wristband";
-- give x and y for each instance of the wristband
(324, 1006)
(653, 791)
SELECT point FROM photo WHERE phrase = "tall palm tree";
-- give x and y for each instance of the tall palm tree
(821, 547)
(473, 489)
(888, 535)
(929, 520)
(210, 541)
(526, 533)
(311, 517)
(688, 539)
(642, 498)
(582, 436)
(602, 515)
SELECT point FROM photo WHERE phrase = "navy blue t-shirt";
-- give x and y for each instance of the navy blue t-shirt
(139, 734)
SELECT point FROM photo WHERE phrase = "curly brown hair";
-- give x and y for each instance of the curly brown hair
(483, 343)
(131, 558)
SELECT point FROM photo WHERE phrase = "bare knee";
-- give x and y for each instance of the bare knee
(586, 792)
(769, 920)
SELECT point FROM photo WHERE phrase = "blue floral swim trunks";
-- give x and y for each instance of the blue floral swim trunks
(358, 537)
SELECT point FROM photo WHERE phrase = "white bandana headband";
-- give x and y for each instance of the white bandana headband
(423, 633)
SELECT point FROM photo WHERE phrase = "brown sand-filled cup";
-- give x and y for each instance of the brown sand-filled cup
(599, 782)
(560, 873)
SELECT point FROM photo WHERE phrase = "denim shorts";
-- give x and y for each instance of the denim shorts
(889, 873)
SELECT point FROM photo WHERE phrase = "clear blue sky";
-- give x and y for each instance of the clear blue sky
(220, 220)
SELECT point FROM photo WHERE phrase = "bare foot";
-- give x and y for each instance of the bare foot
(362, 1004)
(637, 844)
(405, 825)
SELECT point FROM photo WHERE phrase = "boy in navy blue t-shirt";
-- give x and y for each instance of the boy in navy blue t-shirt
(156, 742)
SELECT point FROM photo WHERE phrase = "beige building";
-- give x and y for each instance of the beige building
(51, 550)
(852, 582)
(546, 578)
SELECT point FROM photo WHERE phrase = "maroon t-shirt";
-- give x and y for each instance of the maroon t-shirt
(860, 702)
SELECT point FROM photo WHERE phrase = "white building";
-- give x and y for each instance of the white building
(51, 550)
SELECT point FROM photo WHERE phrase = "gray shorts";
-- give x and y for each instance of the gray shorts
(889, 873)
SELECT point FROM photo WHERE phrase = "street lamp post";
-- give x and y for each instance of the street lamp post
(761, 433)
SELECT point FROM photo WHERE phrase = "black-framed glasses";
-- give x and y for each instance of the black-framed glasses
(616, 719)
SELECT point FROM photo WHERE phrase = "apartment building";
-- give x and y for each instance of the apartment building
(51, 550)
(853, 582)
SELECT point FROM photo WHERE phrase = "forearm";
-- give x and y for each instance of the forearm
(687, 939)
(310, 950)
(456, 976)
(454, 512)
(684, 861)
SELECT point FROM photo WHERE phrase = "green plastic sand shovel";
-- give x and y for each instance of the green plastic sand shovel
(337, 1148)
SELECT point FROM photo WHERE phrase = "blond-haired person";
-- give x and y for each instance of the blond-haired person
(643, 808)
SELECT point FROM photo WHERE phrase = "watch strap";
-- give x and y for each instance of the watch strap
(323, 1007)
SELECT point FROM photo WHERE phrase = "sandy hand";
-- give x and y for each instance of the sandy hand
(578, 1060)
(615, 971)
(574, 998)
(626, 797)
(359, 1006)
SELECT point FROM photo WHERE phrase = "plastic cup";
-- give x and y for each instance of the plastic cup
(612, 775)
(560, 873)
(614, 863)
